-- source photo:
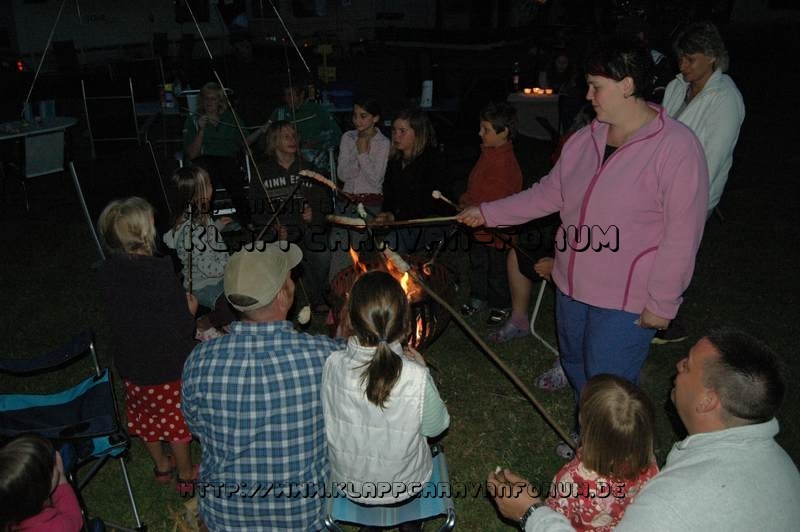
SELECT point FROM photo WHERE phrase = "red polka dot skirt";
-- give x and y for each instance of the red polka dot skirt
(154, 412)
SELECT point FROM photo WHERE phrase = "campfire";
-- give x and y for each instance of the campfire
(429, 318)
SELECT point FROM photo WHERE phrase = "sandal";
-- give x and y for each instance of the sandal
(475, 305)
(563, 450)
(165, 477)
(553, 379)
(186, 486)
(507, 332)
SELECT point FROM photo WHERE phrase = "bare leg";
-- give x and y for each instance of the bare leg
(161, 459)
(183, 459)
(520, 287)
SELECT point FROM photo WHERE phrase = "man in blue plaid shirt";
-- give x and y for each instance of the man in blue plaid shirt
(253, 399)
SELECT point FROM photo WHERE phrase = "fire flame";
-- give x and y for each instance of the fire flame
(413, 290)
(359, 266)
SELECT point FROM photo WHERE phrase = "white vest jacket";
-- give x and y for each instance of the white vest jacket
(377, 456)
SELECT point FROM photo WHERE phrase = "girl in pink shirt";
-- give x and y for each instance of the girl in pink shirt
(34, 491)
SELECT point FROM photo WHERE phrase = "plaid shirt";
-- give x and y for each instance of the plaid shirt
(253, 398)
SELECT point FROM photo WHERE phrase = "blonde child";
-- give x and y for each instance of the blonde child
(616, 459)
(153, 329)
(34, 490)
(379, 400)
(611, 467)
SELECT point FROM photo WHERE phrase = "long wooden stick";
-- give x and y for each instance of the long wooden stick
(415, 221)
(403, 266)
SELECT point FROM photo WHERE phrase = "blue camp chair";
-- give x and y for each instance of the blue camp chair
(435, 499)
(84, 416)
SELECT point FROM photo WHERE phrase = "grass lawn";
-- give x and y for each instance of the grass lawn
(744, 277)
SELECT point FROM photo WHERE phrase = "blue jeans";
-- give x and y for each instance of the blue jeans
(594, 340)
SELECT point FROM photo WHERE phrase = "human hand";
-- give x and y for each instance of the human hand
(202, 122)
(191, 300)
(383, 218)
(59, 477)
(362, 143)
(544, 268)
(648, 320)
(307, 214)
(510, 494)
(225, 220)
(471, 217)
(414, 355)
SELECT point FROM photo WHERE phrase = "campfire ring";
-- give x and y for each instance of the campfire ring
(429, 318)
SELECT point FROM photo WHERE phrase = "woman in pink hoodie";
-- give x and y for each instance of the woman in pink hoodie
(631, 189)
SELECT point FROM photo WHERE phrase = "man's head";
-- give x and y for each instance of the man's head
(258, 282)
(728, 379)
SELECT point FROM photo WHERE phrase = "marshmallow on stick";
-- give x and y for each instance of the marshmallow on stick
(438, 195)
(319, 177)
(304, 316)
(346, 220)
(401, 265)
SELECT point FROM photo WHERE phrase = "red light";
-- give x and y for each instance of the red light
(20, 65)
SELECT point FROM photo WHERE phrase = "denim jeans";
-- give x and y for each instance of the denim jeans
(594, 340)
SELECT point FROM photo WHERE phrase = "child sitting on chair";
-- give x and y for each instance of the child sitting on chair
(35, 493)
(379, 400)
(153, 329)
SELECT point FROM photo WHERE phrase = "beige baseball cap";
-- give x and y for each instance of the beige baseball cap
(253, 278)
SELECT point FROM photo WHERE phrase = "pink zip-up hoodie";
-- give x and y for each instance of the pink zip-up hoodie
(652, 192)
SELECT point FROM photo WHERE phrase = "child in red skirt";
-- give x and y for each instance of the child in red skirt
(153, 328)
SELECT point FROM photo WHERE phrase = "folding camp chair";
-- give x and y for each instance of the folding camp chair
(435, 499)
(84, 416)
(536, 308)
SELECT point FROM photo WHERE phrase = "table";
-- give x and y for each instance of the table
(533, 108)
(44, 143)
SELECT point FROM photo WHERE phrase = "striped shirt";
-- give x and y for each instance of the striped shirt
(253, 398)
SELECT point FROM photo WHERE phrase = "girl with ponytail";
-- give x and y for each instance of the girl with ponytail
(379, 399)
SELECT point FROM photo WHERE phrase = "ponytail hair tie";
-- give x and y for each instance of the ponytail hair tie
(383, 340)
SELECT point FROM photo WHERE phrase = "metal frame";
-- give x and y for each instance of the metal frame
(536, 308)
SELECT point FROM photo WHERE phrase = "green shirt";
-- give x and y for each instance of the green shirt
(221, 140)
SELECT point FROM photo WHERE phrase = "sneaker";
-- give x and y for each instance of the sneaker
(565, 451)
(673, 334)
(507, 332)
(498, 315)
(553, 379)
(475, 305)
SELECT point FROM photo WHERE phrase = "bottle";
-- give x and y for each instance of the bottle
(169, 97)
(515, 76)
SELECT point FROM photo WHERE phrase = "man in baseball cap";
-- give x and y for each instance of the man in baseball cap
(253, 398)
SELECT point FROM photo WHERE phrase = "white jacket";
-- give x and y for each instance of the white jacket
(377, 456)
(715, 115)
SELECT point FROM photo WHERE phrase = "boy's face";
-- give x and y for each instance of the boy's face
(491, 138)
